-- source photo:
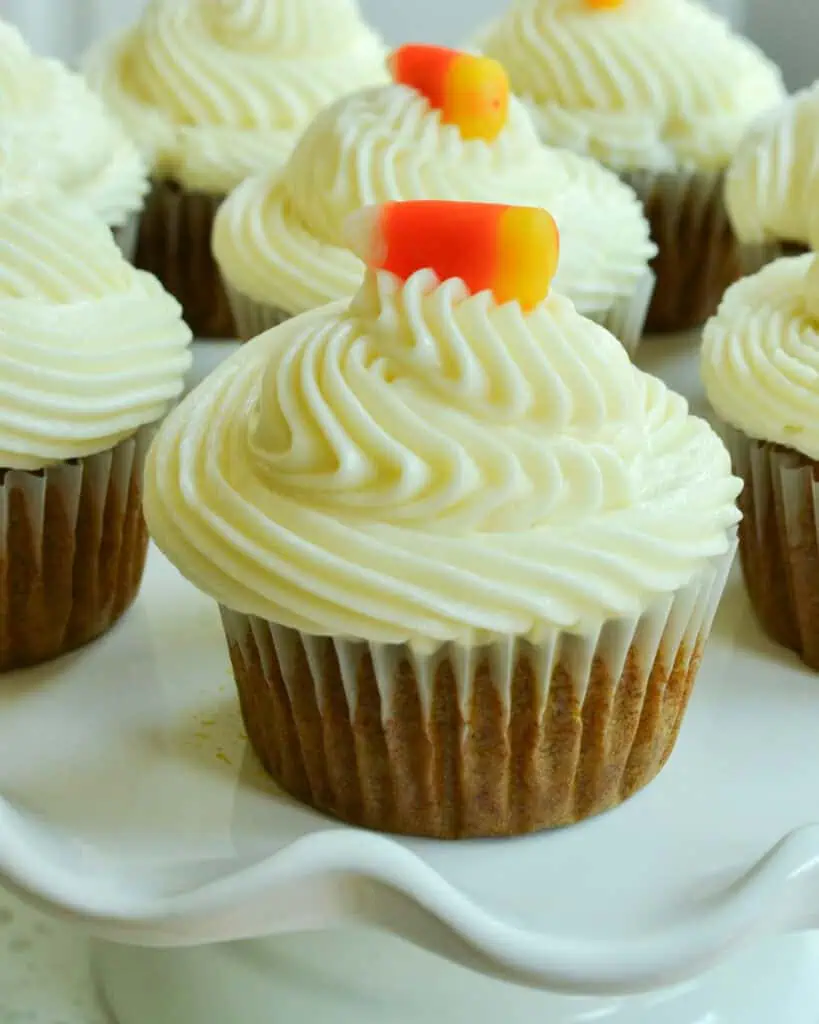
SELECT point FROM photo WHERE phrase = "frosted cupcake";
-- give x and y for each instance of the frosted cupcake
(55, 132)
(772, 188)
(92, 352)
(445, 129)
(215, 90)
(662, 91)
(468, 556)
(760, 364)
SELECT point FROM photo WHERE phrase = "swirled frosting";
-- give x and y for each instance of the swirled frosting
(90, 349)
(651, 84)
(279, 237)
(772, 188)
(214, 90)
(425, 466)
(760, 356)
(55, 131)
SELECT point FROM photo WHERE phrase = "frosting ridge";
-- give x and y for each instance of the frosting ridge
(55, 132)
(650, 84)
(279, 238)
(429, 466)
(772, 187)
(214, 90)
(760, 356)
(90, 349)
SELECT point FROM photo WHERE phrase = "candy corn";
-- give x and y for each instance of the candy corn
(471, 92)
(511, 251)
(604, 5)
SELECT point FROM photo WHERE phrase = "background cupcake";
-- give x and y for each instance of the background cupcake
(92, 352)
(54, 131)
(662, 91)
(760, 364)
(214, 90)
(279, 238)
(467, 554)
(772, 188)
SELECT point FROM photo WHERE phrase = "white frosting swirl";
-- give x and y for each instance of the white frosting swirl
(214, 90)
(279, 238)
(760, 356)
(55, 132)
(651, 84)
(425, 466)
(772, 188)
(90, 349)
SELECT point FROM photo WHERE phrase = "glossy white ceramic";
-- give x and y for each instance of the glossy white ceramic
(132, 808)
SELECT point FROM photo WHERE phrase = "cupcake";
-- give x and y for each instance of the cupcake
(92, 352)
(215, 90)
(772, 187)
(467, 554)
(661, 91)
(760, 365)
(55, 132)
(279, 238)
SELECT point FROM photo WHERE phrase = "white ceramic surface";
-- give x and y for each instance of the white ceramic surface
(134, 809)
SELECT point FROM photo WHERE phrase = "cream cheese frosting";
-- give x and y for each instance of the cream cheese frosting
(278, 239)
(56, 132)
(772, 188)
(760, 356)
(90, 349)
(649, 84)
(425, 466)
(214, 90)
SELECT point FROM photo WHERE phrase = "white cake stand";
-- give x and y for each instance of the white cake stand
(132, 808)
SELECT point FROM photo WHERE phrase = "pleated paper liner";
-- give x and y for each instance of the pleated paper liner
(625, 318)
(253, 318)
(779, 540)
(175, 246)
(698, 257)
(492, 741)
(72, 551)
(755, 257)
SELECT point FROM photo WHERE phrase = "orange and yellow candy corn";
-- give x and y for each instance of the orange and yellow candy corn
(471, 92)
(512, 251)
(604, 5)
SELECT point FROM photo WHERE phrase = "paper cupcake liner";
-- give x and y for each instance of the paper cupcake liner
(699, 257)
(626, 318)
(252, 318)
(72, 551)
(175, 246)
(755, 257)
(492, 741)
(126, 235)
(779, 540)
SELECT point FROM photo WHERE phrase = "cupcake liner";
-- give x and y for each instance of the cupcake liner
(699, 257)
(626, 318)
(72, 551)
(126, 235)
(252, 318)
(755, 257)
(489, 741)
(779, 540)
(175, 246)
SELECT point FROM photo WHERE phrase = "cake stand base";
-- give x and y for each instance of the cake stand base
(367, 978)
